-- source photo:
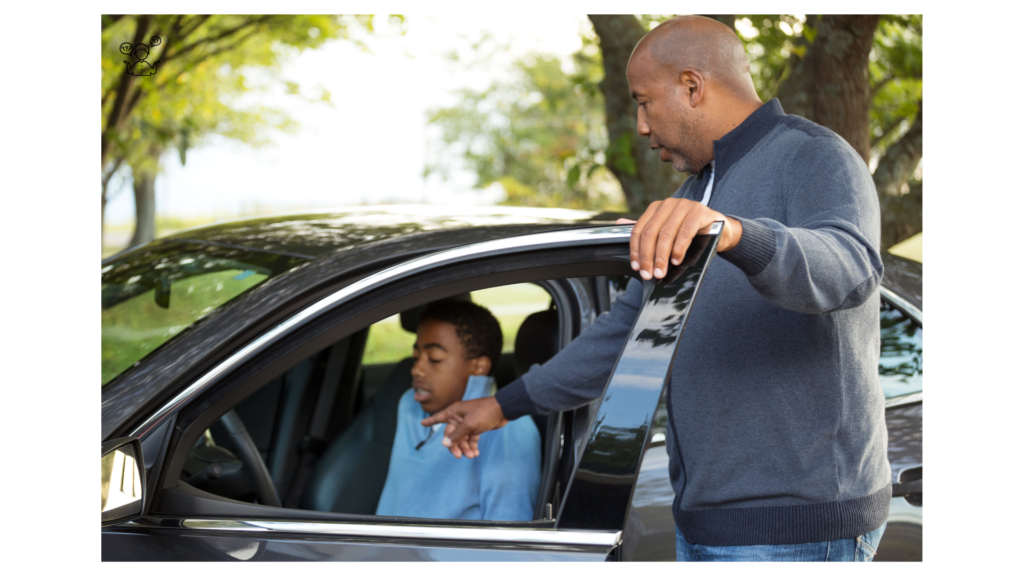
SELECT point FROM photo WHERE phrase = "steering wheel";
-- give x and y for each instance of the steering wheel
(241, 444)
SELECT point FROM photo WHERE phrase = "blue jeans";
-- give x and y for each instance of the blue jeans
(860, 549)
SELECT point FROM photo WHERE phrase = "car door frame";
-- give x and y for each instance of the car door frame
(594, 252)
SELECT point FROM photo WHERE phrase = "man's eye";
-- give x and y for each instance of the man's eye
(434, 360)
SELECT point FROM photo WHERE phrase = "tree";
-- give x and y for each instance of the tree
(203, 64)
(644, 177)
(539, 135)
(857, 75)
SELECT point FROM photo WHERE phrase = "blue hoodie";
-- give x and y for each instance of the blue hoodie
(501, 484)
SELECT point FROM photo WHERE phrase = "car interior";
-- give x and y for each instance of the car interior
(324, 429)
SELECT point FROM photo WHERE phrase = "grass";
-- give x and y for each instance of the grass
(134, 328)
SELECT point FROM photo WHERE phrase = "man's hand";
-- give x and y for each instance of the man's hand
(665, 231)
(465, 422)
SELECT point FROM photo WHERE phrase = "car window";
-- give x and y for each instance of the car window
(388, 342)
(511, 305)
(151, 295)
(899, 362)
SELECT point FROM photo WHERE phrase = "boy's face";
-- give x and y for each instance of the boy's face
(441, 370)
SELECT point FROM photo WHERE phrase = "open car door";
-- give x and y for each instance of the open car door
(592, 514)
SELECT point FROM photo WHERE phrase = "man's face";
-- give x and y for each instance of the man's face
(141, 51)
(441, 370)
(664, 115)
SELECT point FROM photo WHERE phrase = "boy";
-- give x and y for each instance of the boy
(457, 349)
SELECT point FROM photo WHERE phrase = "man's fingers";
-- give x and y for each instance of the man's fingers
(668, 238)
(438, 417)
(634, 238)
(688, 228)
(622, 221)
(649, 236)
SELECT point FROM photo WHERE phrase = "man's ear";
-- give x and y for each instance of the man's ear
(481, 366)
(693, 85)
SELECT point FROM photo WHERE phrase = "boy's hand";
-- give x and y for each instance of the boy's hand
(465, 422)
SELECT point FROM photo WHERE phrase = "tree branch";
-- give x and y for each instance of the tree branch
(171, 55)
(901, 213)
(886, 131)
(109, 20)
(193, 25)
(878, 86)
(224, 48)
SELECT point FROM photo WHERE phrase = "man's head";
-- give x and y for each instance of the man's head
(141, 51)
(691, 79)
(455, 340)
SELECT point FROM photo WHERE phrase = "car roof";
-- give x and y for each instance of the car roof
(313, 234)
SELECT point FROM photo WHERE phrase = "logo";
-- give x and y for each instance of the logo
(140, 51)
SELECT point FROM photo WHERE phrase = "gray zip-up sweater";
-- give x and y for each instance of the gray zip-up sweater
(776, 417)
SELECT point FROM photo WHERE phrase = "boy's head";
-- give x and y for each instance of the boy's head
(455, 340)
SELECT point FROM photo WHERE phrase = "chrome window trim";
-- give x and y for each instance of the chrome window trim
(503, 246)
(906, 307)
(904, 399)
(497, 534)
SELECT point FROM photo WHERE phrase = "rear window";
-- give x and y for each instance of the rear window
(152, 294)
(900, 366)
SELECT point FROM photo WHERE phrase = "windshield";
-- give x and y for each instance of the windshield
(150, 295)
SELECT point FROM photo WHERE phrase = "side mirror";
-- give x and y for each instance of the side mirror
(122, 481)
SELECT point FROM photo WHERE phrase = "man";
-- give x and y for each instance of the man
(457, 348)
(777, 439)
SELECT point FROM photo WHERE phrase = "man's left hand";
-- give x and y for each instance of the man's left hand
(665, 231)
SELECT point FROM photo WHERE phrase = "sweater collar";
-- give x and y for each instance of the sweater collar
(735, 144)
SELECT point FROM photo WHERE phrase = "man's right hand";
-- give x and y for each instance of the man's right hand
(465, 422)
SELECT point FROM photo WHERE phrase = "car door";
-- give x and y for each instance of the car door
(179, 524)
(650, 531)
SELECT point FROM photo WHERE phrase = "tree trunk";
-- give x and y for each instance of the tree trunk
(901, 211)
(145, 207)
(642, 174)
(127, 96)
(830, 84)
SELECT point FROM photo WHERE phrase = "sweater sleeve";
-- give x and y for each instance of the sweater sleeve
(827, 257)
(578, 373)
(510, 472)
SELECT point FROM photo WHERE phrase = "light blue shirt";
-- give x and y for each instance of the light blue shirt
(500, 484)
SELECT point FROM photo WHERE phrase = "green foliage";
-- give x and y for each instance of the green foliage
(134, 328)
(896, 78)
(210, 73)
(774, 42)
(540, 135)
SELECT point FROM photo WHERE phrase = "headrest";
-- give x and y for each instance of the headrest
(536, 341)
(411, 317)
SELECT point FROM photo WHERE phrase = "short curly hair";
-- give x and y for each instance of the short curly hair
(476, 327)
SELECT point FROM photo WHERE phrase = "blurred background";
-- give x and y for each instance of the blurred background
(248, 115)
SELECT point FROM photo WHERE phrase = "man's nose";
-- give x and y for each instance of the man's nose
(641, 126)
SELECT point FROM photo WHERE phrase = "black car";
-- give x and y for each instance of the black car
(252, 370)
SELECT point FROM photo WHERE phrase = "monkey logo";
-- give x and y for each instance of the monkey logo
(141, 52)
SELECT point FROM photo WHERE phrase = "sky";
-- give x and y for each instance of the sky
(368, 147)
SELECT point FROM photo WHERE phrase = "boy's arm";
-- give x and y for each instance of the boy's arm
(510, 472)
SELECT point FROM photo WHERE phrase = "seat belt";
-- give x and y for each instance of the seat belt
(314, 443)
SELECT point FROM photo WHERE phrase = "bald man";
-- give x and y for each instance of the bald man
(777, 439)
